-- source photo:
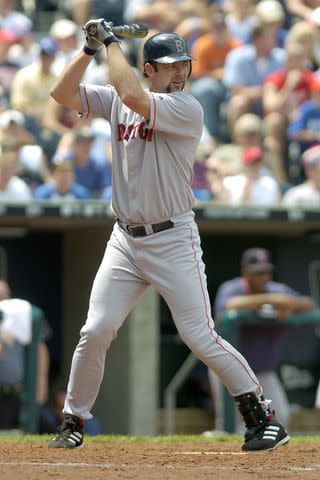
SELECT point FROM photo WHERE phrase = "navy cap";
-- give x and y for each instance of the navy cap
(48, 45)
(257, 260)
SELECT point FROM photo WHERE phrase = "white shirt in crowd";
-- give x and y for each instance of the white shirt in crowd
(304, 195)
(16, 191)
(264, 191)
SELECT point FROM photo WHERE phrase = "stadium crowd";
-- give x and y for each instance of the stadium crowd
(256, 75)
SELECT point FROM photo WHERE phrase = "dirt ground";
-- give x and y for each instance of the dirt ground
(158, 460)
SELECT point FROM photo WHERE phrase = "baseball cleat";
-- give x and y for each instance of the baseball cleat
(69, 433)
(268, 436)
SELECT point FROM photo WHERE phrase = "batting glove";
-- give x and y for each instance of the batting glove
(91, 46)
(100, 31)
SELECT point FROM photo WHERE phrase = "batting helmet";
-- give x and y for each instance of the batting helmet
(166, 48)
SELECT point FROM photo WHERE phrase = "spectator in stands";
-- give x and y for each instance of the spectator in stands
(195, 20)
(255, 186)
(93, 175)
(248, 131)
(241, 19)
(81, 10)
(255, 291)
(12, 20)
(315, 27)
(15, 331)
(302, 8)
(7, 68)
(13, 130)
(57, 120)
(25, 50)
(247, 67)
(162, 15)
(283, 92)
(65, 32)
(199, 183)
(211, 50)
(62, 185)
(304, 128)
(223, 162)
(31, 86)
(3, 100)
(271, 12)
(304, 33)
(32, 164)
(12, 188)
(308, 193)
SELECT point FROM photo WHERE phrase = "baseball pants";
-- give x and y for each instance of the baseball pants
(170, 260)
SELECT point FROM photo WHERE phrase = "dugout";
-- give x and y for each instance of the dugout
(50, 254)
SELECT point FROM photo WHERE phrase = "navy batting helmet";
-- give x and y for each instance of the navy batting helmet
(166, 48)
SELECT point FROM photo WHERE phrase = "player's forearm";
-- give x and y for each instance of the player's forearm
(303, 304)
(251, 93)
(274, 102)
(306, 136)
(66, 88)
(297, 7)
(255, 301)
(124, 80)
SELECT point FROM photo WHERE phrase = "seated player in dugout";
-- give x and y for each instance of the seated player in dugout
(155, 240)
(255, 290)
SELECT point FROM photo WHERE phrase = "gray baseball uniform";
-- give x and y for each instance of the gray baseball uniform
(152, 167)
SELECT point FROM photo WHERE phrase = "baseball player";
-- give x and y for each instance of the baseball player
(155, 239)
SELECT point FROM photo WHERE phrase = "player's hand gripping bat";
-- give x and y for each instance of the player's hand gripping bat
(104, 32)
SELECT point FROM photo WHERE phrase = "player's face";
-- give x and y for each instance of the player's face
(258, 280)
(171, 77)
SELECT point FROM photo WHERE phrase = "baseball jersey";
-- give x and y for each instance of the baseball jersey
(152, 160)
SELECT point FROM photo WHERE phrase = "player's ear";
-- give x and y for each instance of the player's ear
(149, 69)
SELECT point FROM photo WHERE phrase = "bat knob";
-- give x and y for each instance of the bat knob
(92, 30)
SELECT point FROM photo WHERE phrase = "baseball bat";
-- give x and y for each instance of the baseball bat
(135, 30)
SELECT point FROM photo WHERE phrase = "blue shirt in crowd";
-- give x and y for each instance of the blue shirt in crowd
(49, 191)
(308, 118)
(94, 176)
(243, 68)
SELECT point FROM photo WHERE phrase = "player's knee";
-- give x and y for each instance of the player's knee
(98, 337)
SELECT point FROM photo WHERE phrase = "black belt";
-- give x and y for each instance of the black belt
(145, 230)
(9, 390)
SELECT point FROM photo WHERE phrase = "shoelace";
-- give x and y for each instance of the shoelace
(67, 423)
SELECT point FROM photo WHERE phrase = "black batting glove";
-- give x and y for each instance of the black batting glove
(100, 31)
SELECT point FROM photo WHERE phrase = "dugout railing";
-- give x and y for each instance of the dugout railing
(229, 328)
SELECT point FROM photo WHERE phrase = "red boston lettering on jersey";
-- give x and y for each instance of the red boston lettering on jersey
(131, 132)
(121, 131)
(143, 132)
